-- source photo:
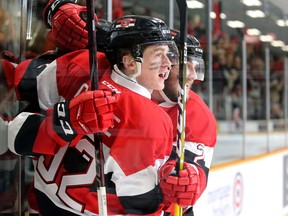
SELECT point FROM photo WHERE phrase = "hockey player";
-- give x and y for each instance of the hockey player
(25, 83)
(200, 133)
(25, 86)
(135, 147)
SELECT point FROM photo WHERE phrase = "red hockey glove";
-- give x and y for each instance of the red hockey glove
(68, 27)
(182, 188)
(88, 113)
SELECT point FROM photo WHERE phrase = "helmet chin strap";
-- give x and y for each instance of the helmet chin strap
(116, 69)
(132, 76)
(165, 97)
(138, 69)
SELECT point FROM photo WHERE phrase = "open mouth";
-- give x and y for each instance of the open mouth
(164, 75)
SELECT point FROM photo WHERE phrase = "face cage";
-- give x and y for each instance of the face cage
(199, 66)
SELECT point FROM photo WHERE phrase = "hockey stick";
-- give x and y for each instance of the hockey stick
(99, 157)
(182, 5)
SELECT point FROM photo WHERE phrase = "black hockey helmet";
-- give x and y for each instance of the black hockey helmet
(193, 45)
(132, 33)
(194, 52)
(102, 27)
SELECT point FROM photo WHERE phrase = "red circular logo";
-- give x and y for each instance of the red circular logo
(238, 193)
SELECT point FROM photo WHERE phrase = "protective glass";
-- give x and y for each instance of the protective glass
(198, 65)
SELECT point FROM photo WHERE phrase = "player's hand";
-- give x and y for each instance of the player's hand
(68, 27)
(92, 111)
(89, 112)
(182, 188)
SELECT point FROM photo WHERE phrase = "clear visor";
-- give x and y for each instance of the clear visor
(173, 54)
(197, 66)
(161, 54)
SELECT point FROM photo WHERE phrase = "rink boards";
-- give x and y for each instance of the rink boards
(255, 186)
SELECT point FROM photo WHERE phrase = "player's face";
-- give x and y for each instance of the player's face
(172, 83)
(191, 72)
(155, 67)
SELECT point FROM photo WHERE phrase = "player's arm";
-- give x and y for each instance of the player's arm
(89, 112)
(44, 134)
(22, 131)
(25, 79)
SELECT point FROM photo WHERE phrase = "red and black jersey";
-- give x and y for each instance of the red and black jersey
(200, 134)
(25, 78)
(138, 144)
(200, 122)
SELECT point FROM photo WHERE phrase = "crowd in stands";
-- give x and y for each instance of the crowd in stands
(227, 78)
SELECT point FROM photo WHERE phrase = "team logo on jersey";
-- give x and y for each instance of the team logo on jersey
(110, 86)
(173, 33)
(125, 23)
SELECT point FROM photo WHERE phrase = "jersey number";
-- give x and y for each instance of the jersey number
(68, 180)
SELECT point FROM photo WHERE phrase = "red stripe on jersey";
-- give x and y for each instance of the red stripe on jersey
(44, 144)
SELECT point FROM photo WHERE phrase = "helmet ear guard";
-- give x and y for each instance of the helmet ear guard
(137, 53)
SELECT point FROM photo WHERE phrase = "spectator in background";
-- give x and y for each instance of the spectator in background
(256, 88)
